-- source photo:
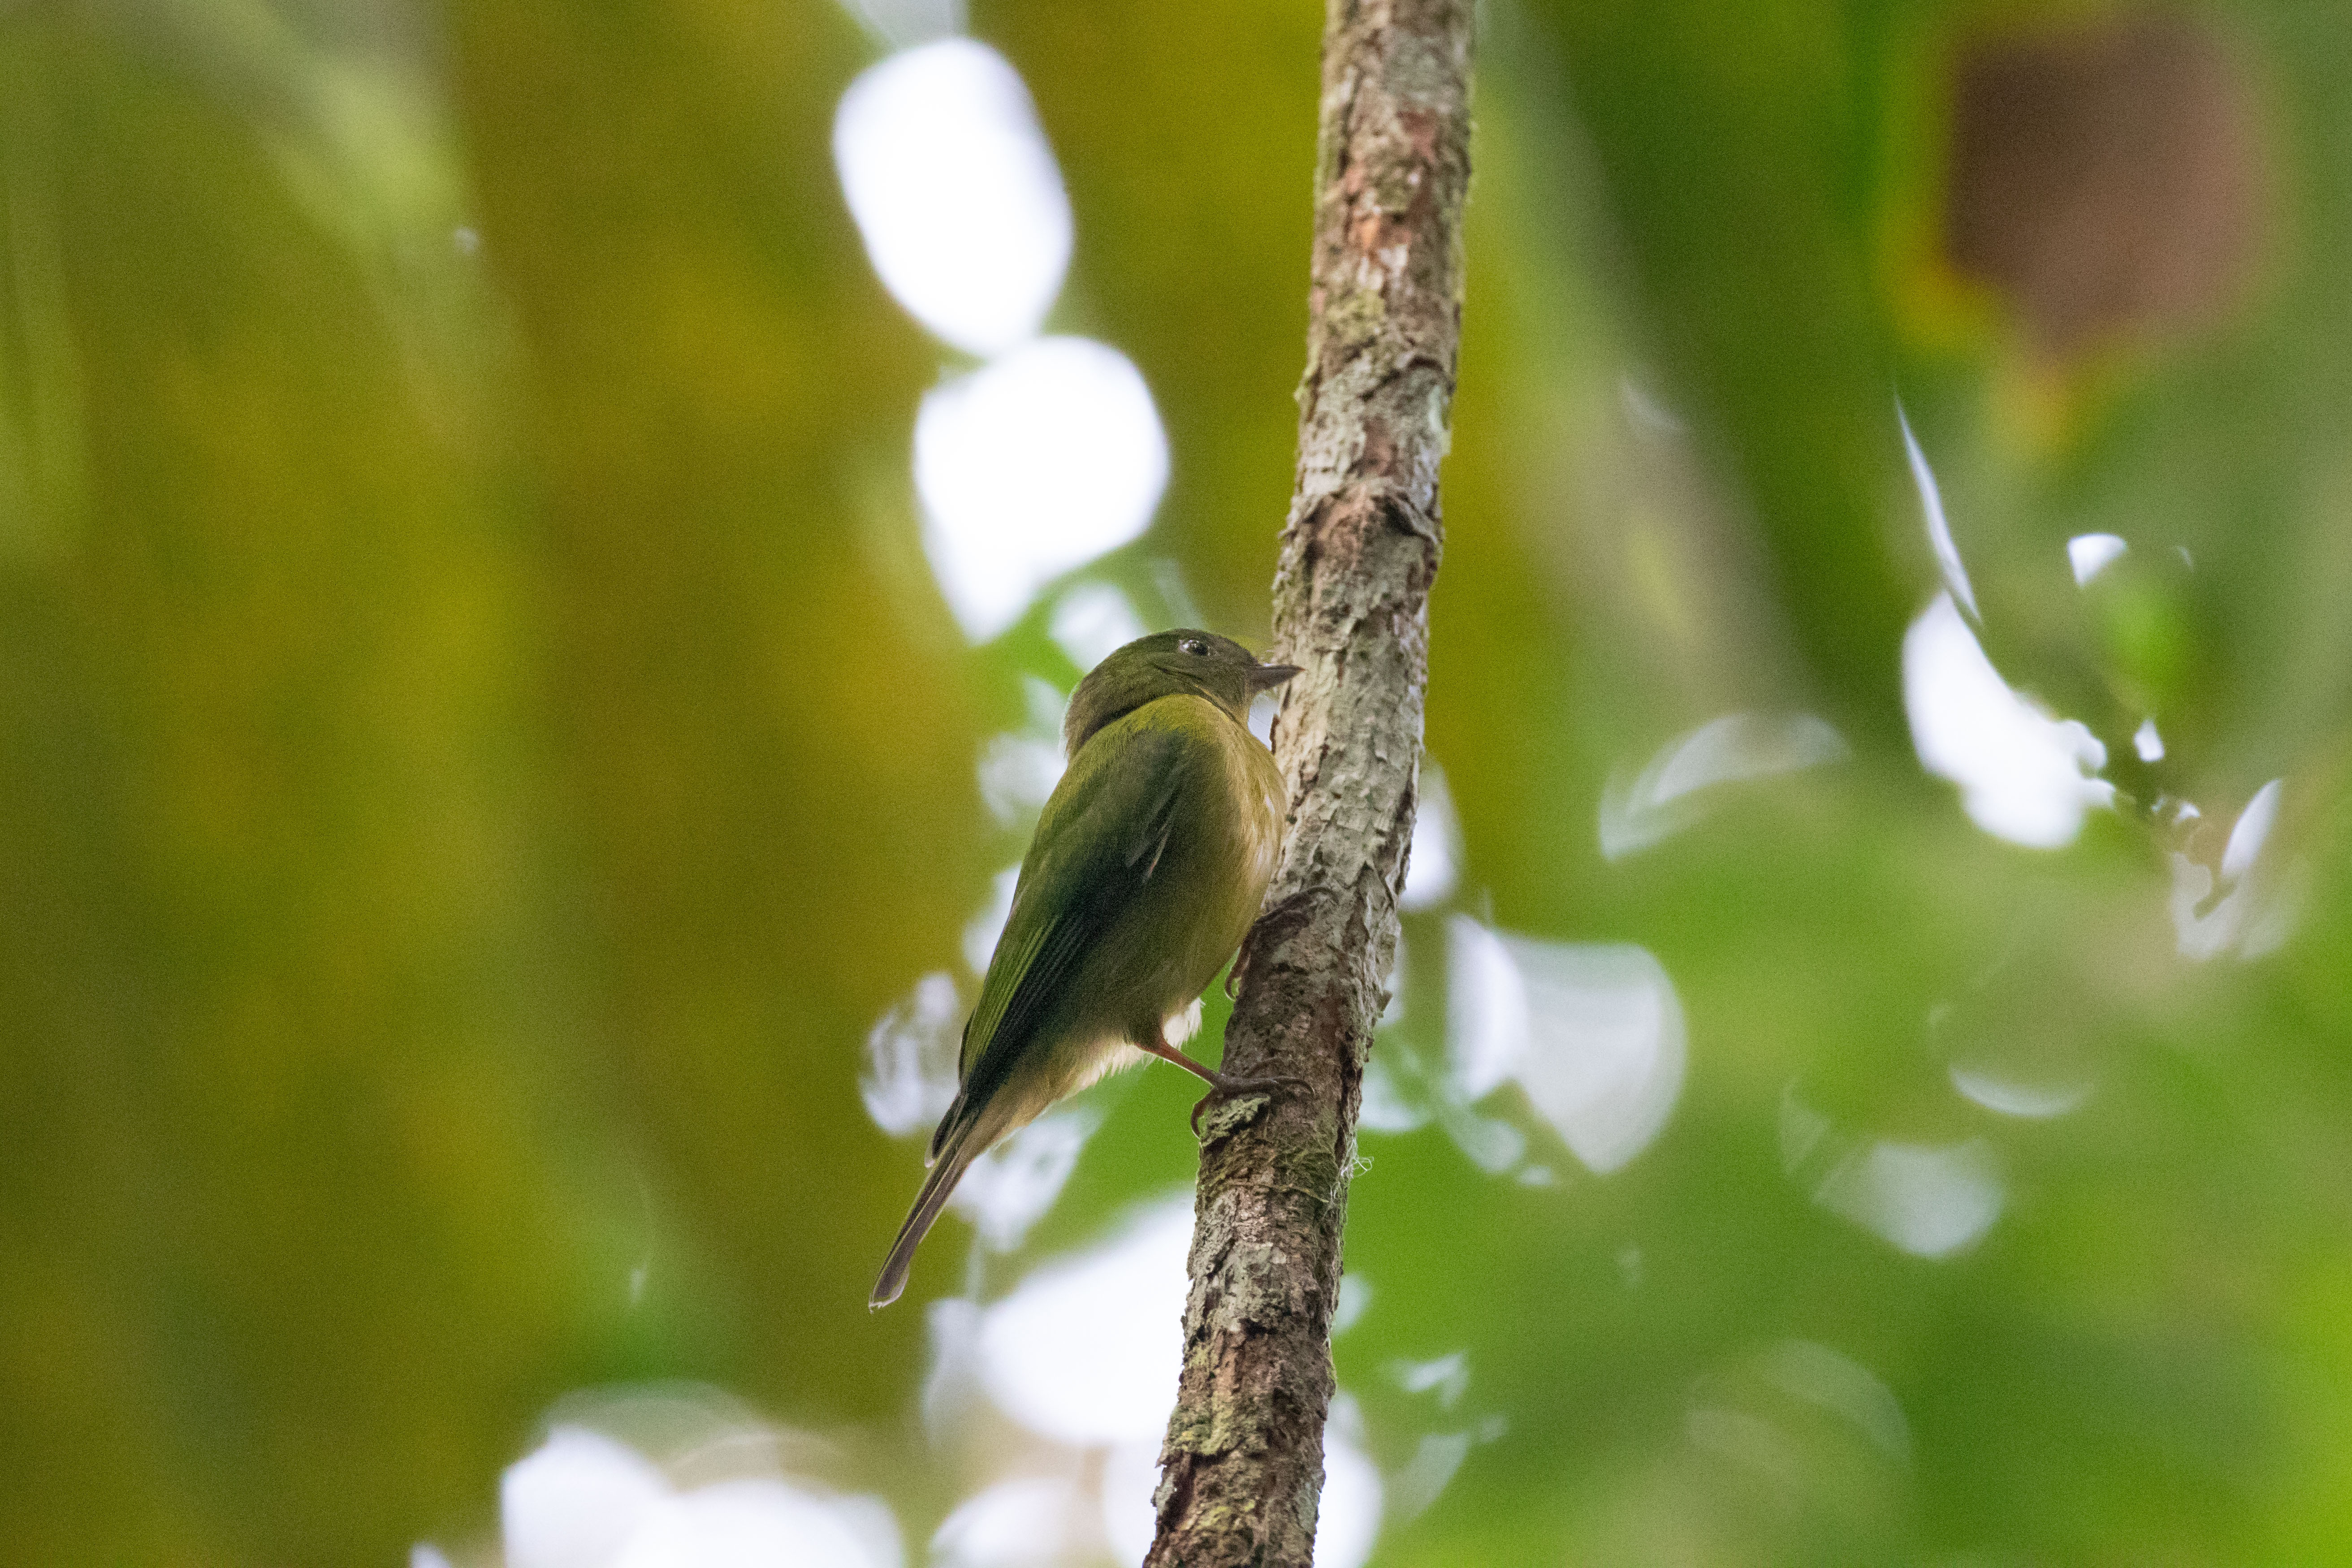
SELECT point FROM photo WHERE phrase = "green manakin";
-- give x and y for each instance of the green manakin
(1150, 860)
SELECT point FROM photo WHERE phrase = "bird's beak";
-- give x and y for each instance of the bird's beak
(1266, 677)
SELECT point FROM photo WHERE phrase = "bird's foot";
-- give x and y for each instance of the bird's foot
(1226, 1085)
(1220, 1084)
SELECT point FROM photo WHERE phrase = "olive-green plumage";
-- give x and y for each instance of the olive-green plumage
(1150, 860)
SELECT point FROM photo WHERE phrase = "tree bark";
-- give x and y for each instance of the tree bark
(1241, 1469)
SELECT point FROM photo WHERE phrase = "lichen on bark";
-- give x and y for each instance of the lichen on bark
(1241, 1467)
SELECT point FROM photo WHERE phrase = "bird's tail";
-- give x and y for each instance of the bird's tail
(954, 1155)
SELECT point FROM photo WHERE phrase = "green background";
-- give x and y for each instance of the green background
(480, 745)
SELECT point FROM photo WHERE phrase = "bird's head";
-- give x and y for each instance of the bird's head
(1168, 664)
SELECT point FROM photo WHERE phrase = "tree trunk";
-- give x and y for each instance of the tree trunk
(1241, 1469)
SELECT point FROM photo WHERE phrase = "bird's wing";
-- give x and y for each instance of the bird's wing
(1099, 844)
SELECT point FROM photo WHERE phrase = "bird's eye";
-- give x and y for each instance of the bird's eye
(1194, 647)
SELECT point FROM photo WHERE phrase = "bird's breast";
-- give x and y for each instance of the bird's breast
(1258, 800)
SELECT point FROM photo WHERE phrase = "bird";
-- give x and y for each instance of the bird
(1150, 860)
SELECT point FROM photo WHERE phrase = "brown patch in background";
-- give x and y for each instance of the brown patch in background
(2109, 179)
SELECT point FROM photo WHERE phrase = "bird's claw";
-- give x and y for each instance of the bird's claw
(1231, 1085)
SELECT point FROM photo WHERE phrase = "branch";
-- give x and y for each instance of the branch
(1241, 1469)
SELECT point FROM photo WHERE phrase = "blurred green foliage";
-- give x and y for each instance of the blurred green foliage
(479, 746)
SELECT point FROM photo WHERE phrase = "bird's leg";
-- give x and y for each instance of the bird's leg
(1218, 1082)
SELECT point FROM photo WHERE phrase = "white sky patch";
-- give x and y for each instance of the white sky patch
(1447, 1375)
(1175, 597)
(951, 1383)
(1031, 466)
(1436, 859)
(1131, 1474)
(1387, 1108)
(2024, 775)
(2010, 1096)
(955, 192)
(1009, 1188)
(979, 933)
(1486, 1009)
(1666, 796)
(1355, 1301)
(1018, 773)
(1093, 621)
(899, 23)
(1263, 708)
(2256, 906)
(583, 1499)
(1347, 1521)
(1492, 1144)
(911, 1058)
(1086, 1350)
(2148, 742)
(1086, 1353)
(2092, 554)
(1436, 1458)
(1047, 703)
(1018, 770)
(1928, 1200)
(2252, 831)
(1392, 1010)
(754, 1525)
(1033, 1521)
(576, 1500)
(1594, 1033)
(1931, 505)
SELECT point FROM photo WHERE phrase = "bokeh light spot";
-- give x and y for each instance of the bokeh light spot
(2024, 775)
(1093, 621)
(1031, 466)
(1434, 864)
(955, 192)
(1930, 1201)
(1028, 1522)
(1009, 1189)
(1931, 506)
(1668, 795)
(911, 1058)
(2088, 554)
(1086, 1350)
(585, 1499)
(1594, 1033)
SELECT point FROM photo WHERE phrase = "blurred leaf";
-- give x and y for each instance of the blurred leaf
(481, 744)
